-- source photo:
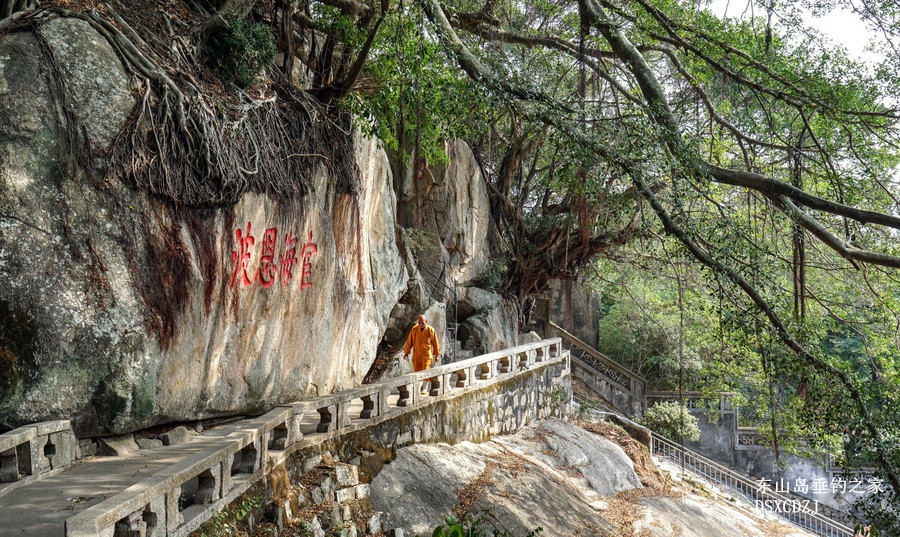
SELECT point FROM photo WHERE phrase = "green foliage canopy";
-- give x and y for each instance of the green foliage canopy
(672, 420)
(653, 130)
(241, 49)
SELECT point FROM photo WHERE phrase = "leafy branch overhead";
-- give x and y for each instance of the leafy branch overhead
(770, 141)
(650, 133)
(815, 126)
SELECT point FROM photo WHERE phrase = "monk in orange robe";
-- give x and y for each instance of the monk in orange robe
(423, 342)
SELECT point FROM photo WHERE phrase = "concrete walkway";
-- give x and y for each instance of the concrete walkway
(41, 508)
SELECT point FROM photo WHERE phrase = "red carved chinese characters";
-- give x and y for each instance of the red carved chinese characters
(270, 272)
(305, 253)
(288, 259)
(242, 260)
(267, 272)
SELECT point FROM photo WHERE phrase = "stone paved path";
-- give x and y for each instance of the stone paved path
(40, 509)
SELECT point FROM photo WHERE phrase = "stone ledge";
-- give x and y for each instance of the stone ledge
(31, 431)
(48, 427)
(95, 519)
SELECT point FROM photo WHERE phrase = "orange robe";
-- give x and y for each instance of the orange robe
(424, 345)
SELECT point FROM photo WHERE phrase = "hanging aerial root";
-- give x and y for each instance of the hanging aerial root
(198, 145)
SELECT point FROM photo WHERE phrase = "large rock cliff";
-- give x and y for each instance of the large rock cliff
(121, 309)
(448, 205)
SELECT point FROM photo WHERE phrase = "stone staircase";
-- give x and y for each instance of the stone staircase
(620, 389)
(795, 509)
(591, 368)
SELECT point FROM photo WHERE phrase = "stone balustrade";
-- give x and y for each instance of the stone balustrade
(36, 451)
(692, 400)
(177, 500)
(622, 389)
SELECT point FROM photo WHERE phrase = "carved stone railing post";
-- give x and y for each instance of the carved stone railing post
(384, 405)
(485, 371)
(371, 407)
(296, 434)
(462, 377)
(328, 419)
(437, 386)
(173, 515)
(406, 391)
(9, 466)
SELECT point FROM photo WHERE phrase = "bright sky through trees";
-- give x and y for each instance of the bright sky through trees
(842, 26)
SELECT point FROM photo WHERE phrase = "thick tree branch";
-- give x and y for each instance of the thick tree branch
(699, 170)
(780, 328)
(833, 241)
(10, 7)
(589, 56)
(341, 88)
(773, 187)
(704, 98)
(472, 66)
(671, 26)
(350, 7)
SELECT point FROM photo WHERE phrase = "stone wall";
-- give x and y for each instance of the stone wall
(737, 447)
(498, 409)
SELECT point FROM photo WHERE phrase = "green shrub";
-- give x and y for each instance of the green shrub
(226, 522)
(416, 240)
(241, 49)
(495, 275)
(672, 420)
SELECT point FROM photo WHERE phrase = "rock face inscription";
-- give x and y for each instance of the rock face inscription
(121, 310)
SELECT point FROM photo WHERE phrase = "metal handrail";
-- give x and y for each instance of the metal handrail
(455, 296)
(603, 378)
(438, 279)
(799, 515)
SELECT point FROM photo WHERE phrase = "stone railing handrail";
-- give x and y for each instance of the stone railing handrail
(726, 399)
(668, 394)
(803, 517)
(635, 404)
(241, 455)
(665, 394)
(34, 451)
(597, 355)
